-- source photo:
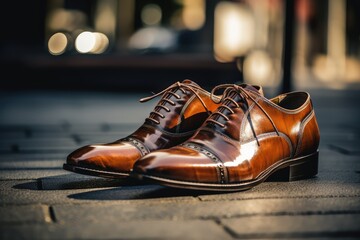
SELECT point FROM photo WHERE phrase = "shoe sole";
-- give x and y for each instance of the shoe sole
(289, 170)
(94, 172)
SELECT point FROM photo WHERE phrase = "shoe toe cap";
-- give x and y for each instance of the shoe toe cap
(109, 157)
(177, 163)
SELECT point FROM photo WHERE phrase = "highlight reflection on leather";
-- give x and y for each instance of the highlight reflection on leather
(181, 111)
(245, 141)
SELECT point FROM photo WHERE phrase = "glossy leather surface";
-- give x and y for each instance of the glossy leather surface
(248, 138)
(176, 117)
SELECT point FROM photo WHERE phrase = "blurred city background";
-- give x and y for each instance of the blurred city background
(142, 44)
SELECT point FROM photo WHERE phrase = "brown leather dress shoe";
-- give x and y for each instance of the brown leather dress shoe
(183, 108)
(247, 139)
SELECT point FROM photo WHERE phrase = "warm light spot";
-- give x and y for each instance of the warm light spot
(152, 37)
(105, 18)
(57, 43)
(151, 14)
(101, 43)
(258, 68)
(233, 31)
(91, 42)
(85, 42)
(247, 152)
(67, 20)
(193, 14)
(325, 69)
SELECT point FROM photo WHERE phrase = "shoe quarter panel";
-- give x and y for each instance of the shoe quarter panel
(255, 120)
(252, 158)
(287, 122)
(309, 136)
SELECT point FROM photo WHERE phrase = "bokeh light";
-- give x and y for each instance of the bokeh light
(57, 43)
(193, 14)
(151, 14)
(233, 31)
(258, 68)
(91, 42)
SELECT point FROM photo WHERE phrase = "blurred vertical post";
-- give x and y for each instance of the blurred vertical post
(336, 37)
(125, 22)
(288, 46)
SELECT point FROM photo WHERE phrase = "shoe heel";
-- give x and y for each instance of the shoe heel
(306, 168)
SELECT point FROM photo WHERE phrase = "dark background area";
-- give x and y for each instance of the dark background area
(27, 64)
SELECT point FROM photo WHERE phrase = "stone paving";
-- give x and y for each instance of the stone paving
(40, 200)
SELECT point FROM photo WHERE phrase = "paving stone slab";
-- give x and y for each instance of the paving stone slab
(109, 134)
(26, 164)
(137, 193)
(38, 156)
(58, 127)
(326, 116)
(331, 135)
(30, 173)
(337, 176)
(27, 192)
(348, 147)
(151, 229)
(38, 143)
(12, 134)
(298, 189)
(335, 161)
(74, 107)
(15, 149)
(41, 139)
(37, 149)
(25, 214)
(78, 181)
(111, 212)
(330, 153)
(341, 225)
(101, 139)
(349, 164)
(93, 131)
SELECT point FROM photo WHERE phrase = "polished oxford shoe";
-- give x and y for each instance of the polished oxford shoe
(183, 108)
(246, 140)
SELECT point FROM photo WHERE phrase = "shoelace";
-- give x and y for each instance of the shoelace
(226, 99)
(167, 93)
